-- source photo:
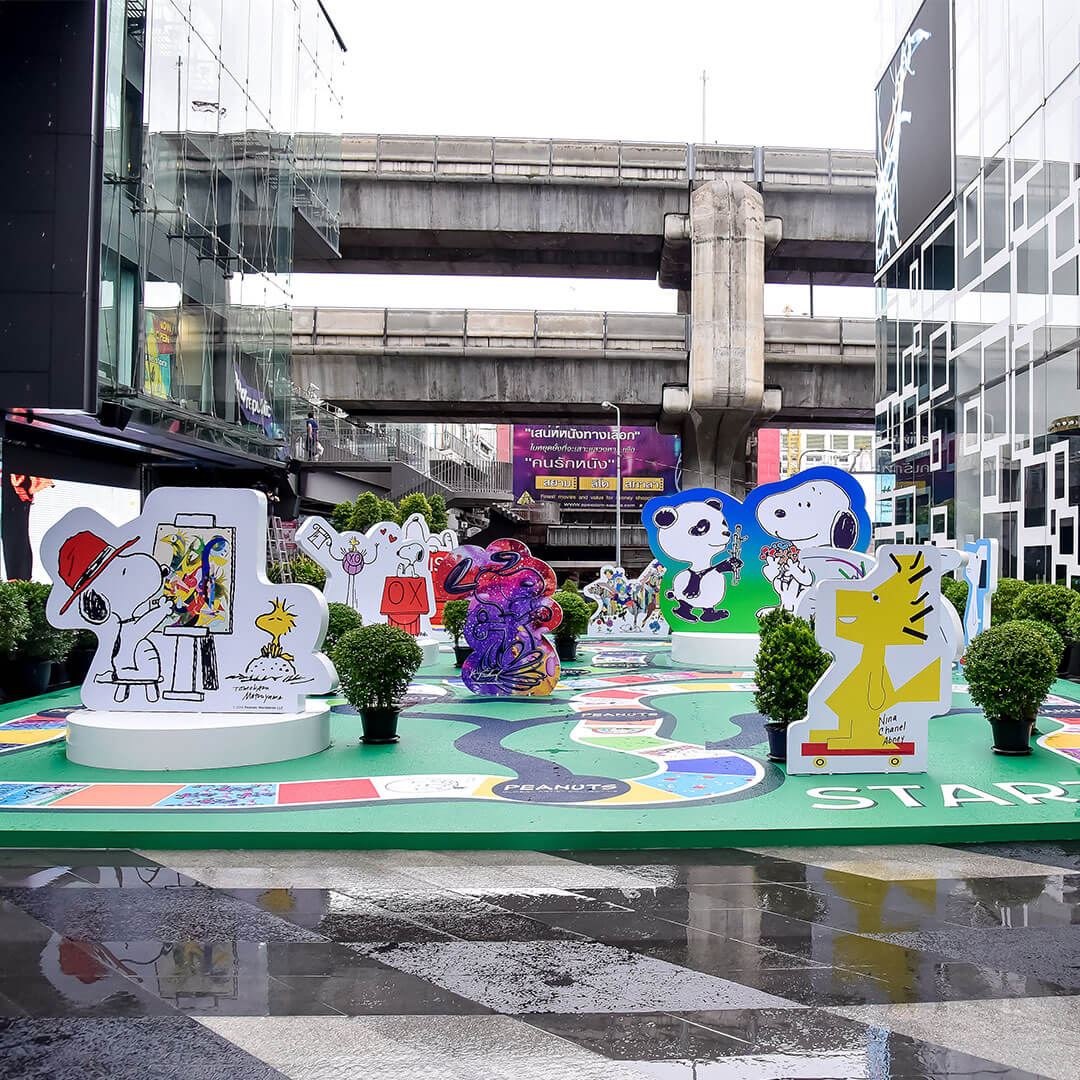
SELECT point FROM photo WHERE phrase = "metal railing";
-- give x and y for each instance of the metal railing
(598, 161)
(597, 535)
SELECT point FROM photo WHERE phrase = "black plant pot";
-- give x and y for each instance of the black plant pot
(78, 664)
(566, 648)
(1012, 735)
(380, 726)
(461, 654)
(1066, 660)
(30, 678)
(1074, 661)
(777, 740)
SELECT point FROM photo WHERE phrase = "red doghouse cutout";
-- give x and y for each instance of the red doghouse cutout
(404, 600)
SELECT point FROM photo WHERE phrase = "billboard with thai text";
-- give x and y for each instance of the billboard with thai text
(577, 467)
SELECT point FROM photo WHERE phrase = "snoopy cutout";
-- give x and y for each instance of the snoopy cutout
(390, 574)
(814, 515)
(181, 607)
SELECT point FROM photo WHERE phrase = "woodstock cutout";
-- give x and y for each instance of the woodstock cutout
(390, 574)
(177, 597)
(893, 647)
(627, 608)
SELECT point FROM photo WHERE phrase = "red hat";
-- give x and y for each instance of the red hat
(82, 557)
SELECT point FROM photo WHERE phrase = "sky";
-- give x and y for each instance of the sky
(779, 72)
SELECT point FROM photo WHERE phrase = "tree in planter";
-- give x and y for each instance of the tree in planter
(789, 662)
(1049, 634)
(366, 511)
(774, 618)
(1010, 669)
(14, 618)
(43, 645)
(342, 619)
(439, 519)
(1001, 604)
(1048, 603)
(455, 614)
(375, 665)
(341, 516)
(575, 622)
(956, 592)
(305, 571)
(416, 503)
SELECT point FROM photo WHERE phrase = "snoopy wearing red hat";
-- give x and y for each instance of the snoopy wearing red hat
(118, 591)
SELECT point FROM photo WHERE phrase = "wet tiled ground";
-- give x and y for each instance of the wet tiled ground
(906, 962)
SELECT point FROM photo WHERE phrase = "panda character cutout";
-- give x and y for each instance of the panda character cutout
(696, 533)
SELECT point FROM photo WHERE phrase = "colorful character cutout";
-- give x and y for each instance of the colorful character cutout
(627, 608)
(510, 611)
(893, 646)
(389, 574)
(178, 596)
(981, 574)
(726, 562)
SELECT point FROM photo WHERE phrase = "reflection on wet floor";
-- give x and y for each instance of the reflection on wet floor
(765, 963)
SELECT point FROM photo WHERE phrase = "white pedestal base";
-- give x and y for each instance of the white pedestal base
(720, 651)
(146, 741)
(430, 647)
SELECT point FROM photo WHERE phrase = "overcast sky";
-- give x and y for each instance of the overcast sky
(780, 72)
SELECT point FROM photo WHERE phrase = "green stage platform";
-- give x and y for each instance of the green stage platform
(628, 752)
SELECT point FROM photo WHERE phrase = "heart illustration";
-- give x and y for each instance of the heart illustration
(393, 539)
(383, 532)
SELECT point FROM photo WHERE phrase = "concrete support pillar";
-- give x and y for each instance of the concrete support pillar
(715, 412)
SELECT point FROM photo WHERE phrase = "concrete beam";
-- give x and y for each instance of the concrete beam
(530, 366)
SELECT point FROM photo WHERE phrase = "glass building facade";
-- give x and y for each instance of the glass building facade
(978, 416)
(217, 163)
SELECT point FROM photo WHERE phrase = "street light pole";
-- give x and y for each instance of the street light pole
(618, 481)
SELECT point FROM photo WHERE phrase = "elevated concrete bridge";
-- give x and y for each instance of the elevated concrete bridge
(595, 208)
(523, 366)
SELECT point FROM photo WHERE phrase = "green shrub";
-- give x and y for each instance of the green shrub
(375, 665)
(1072, 625)
(388, 511)
(773, 619)
(439, 519)
(570, 585)
(789, 662)
(416, 503)
(341, 516)
(956, 592)
(14, 618)
(305, 571)
(342, 619)
(1047, 603)
(1009, 670)
(575, 616)
(1052, 637)
(43, 641)
(1001, 605)
(366, 511)
(454, 615)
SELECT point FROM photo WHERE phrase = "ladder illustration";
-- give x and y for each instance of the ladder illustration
(276, 551)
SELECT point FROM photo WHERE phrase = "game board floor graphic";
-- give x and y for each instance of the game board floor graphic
(642, 755)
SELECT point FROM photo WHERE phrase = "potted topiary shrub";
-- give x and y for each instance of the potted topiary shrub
(769, 620)
(1048, 603)
(43, 644)
(956, 592)
(575, 622)
(342, 619)
(1001, 604)
(1050, 635)
(1072, 628)
(454, 615)
(375, 665)
(14, 626)
(789, 661)
(1010, 669)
